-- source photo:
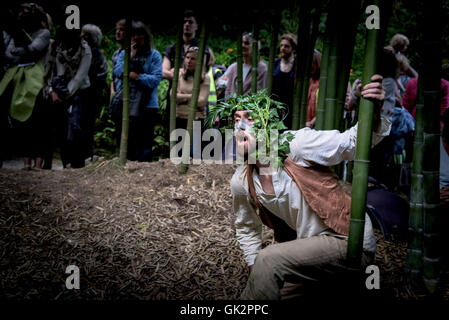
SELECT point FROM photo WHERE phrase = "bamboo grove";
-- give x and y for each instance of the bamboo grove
(338, 40)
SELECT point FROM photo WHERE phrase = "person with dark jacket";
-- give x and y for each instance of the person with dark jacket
(98, 89)
(284, 74)
(68, 78)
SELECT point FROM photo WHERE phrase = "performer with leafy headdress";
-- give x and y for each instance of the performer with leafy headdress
(292, 191)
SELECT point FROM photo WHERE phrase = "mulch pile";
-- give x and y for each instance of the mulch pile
(138, 232)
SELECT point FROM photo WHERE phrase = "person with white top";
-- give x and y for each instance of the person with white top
(317, 222)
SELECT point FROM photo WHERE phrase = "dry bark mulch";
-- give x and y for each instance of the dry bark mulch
(138, 232)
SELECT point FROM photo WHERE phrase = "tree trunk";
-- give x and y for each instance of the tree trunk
(125, 114)
(194, 101)
(273, 46)
(175, 81)
(361, 163)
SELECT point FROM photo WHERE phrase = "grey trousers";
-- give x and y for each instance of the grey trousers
(317, 258)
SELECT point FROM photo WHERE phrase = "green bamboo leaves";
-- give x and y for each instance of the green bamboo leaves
(266, 114)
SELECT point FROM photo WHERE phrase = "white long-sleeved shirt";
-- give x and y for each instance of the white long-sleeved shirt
(308, 147)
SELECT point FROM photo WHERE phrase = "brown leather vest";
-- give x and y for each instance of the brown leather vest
(323, 193)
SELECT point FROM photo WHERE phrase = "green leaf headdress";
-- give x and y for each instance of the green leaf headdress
(266, 114)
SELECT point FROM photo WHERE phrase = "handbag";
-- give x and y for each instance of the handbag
(138, 95)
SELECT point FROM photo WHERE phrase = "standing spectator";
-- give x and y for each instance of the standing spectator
(314, 84)
(444, 164)
(215, 72)
(26, 51)
(145, 76)
(411, 95)
(120, 38)
(284, 74)
(390, 70)
(185, 89)
(190, 26)
(69, 91)
(98, 72)
(390, 155)
(231, 73)
(399, 44)
(444, 175)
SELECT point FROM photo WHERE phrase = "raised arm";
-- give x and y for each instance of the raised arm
(330, 147)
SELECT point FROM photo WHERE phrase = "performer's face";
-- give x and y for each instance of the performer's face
(244, 135)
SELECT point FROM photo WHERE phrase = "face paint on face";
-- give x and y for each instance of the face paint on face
(244, 125)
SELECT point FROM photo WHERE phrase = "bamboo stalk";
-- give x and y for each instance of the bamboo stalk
(320, 110)
(273, 46)
(175, 82)
(255, 60)
(431, 162)
(125, 114)
(194, 101)
(413, 265)
(239, 63)
(361, 163)
(330, 100)
(347, 36)
(308, 66)
(347, 50)
(301, 57)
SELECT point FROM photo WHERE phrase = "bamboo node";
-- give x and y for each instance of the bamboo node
(362, 161)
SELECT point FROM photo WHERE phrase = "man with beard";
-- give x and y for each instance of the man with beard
(302, 201)
(284, 74)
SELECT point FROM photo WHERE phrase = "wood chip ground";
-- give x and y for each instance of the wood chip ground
(138, 232)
